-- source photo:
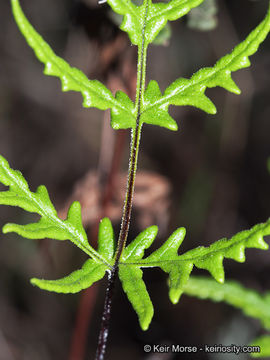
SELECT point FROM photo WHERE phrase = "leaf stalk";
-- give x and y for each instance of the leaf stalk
(127, 208)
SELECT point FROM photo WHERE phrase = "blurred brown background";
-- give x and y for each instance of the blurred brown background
(210, 176)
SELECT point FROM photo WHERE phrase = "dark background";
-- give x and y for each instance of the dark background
(215, 167)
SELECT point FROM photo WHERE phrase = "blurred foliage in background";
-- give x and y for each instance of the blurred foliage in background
(215, 182)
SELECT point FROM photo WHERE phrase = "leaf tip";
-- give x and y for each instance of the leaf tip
(174, 295)
(34, 281)
(105, 222)
(145, 325)
(180, 232)
(220, 279)
(213, 110)
(7, 228)
(153, 230)
(218, 271)
(172, 126)
(146, 320)
(174, 299)
(257, 241)
(74, 211)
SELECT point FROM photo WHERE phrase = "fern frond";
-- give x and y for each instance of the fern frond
(94, 93)
(144, 24)
(179, 267)
(192, 91)
(49, 225)
(249, 301)
(209, 258)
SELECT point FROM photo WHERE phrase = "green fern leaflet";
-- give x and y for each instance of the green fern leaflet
(249, 301)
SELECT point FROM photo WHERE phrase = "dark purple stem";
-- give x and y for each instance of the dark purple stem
(135, 141)
(104, 329)
(105, 321)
